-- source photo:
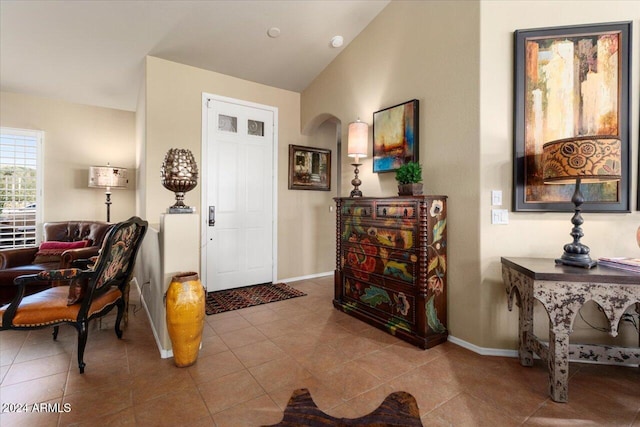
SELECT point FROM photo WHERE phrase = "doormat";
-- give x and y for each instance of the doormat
(398, 409)
(235, 299)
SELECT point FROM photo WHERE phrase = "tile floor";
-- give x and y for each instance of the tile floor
(252, 359)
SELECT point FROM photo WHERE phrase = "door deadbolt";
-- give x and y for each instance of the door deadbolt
(212, 216)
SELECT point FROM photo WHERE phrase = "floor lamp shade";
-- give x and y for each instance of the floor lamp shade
(588, 159)
(357, 142)
(108, 177)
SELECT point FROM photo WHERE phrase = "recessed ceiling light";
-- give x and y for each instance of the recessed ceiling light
(273, 32)
(336, 41)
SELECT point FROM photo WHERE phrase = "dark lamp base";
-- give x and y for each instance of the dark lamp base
(356, 182)
(577, 260)
(577, 254)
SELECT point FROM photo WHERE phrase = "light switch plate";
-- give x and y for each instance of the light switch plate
(496, 197)
(499, 216)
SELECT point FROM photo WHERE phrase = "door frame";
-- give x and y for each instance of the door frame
(204, 179)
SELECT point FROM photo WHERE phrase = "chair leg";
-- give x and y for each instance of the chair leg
(127, 289)
(121, 308)
(55, 332)
(82, 342)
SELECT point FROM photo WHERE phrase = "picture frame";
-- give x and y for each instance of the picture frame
(309, 168)
(638, 183)
(395, 136)
(570, 81)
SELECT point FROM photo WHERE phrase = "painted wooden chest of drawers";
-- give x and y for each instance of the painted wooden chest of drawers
(391, 265)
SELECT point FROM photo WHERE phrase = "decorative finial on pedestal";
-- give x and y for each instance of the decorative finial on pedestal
(179, 174)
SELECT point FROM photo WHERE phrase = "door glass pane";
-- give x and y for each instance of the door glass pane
(227, 123)
(256, 128)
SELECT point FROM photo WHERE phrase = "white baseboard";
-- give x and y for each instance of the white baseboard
(514, 353)
(482, 350)
(164, 354)
(311, 276)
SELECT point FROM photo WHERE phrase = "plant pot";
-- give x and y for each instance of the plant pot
(185, 317)
(412, 189)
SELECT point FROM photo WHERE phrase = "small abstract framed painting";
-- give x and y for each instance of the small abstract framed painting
(395, 136)
(309, 168)
(570, 81)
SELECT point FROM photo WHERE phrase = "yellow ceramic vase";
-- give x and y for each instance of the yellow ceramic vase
(185, 317)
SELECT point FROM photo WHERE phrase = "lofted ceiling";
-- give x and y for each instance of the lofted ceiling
(92, 52)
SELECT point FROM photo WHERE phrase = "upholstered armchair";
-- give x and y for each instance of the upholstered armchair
(103, 285)
(62, 243)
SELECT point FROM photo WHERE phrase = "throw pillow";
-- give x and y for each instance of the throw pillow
(52, 251)
(52, 244)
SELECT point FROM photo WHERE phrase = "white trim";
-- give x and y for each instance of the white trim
(203, 186)
(310, 276)
(482, 350)
(164, 354)
(514, 353)
(206, 97)
(274, 191)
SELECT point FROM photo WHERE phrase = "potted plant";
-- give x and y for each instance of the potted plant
(409, 177)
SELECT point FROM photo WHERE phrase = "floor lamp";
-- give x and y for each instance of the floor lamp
(108, 177)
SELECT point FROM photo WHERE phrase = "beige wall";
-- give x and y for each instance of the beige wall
(539, 234)
(141, 138)
(75, 137)
(428, 51)
(319, 221)
(456, 58)
(174, 119)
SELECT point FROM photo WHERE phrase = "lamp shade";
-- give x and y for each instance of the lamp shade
(594, 158)
(108, 177)
(358, 139)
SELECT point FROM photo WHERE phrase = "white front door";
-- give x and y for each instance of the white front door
(238, 209)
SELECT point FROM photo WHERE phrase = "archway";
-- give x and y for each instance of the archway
(322, 127)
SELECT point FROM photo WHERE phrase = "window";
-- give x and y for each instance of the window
(20, 171)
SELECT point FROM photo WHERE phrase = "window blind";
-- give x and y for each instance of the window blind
(18, 186)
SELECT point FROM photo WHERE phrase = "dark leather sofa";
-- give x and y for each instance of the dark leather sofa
(19, 261)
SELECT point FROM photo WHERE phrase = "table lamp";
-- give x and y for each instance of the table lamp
(108, 177)
(357, 147)
(576, 160)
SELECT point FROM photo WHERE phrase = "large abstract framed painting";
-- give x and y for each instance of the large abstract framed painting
(570, 81)
(309, 168)
(395, 136)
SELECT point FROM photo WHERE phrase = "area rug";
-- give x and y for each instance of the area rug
(397, 409)
(235, 299)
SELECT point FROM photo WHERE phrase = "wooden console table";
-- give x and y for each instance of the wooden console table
(563, 290)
